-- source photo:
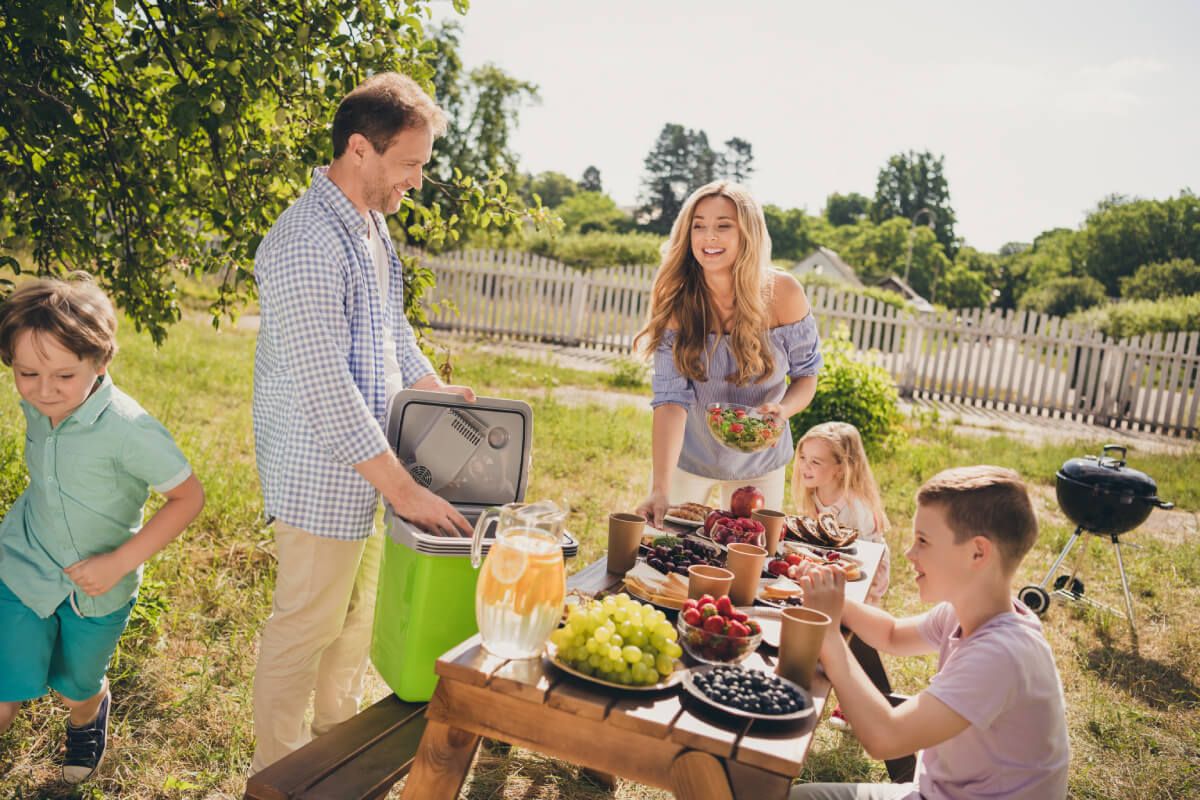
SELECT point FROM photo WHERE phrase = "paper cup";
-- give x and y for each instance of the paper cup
(773, 522)
(745, 561)
(706, 579)
(800, 643)
(624, 536)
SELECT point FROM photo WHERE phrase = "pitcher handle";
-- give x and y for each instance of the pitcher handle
(481, 526)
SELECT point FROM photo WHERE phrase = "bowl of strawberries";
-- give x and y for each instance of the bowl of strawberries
(713, 631)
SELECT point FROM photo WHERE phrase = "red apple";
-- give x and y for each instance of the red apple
(745, 500)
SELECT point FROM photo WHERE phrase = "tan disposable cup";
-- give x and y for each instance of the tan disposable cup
(800, 637)
(624, 536)
(705, 579)
(745, 561)
(773, 522)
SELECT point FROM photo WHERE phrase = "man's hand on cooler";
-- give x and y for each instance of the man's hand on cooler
(429, 512)
(431, 383)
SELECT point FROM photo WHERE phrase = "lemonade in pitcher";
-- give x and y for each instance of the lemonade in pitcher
(519, 597)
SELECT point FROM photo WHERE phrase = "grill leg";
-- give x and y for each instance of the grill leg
(1125, 586)
(1061, 557)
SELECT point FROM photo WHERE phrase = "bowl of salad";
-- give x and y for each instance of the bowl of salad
(742, 428)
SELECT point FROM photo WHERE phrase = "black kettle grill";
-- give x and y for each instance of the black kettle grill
(1103, 497)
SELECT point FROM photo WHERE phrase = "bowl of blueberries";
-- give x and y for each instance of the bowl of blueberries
(748, 693)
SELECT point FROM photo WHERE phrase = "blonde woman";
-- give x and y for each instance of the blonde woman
(724, 327)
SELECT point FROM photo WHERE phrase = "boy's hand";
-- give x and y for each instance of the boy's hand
(98, 574)
(825, 590)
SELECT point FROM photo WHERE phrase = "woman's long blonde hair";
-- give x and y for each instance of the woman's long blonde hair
(681, 296)
(857, 480)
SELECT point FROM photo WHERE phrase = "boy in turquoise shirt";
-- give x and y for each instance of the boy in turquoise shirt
(72, 546)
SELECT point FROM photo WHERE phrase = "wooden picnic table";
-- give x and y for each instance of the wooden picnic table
(663, 739)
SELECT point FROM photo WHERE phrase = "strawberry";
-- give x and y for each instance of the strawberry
(692, 616)
(705, 599)
(793, 559)
(778, 567)
(753, 627)
(708, 610)
(740, 616)
(738, 630)
(715, 624)
(690, 603)
(725, 606)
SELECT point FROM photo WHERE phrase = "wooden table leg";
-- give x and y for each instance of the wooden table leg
(442, 762)
(699, 776)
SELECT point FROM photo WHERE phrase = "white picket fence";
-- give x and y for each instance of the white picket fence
(1009, 360)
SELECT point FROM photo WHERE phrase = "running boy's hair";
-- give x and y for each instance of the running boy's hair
(986, 501)
(857, 480)
(74, 311)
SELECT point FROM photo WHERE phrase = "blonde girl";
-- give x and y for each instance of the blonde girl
(723, 327)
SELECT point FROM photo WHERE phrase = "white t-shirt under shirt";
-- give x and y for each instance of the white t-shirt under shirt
(383, 268)
(1002, 679)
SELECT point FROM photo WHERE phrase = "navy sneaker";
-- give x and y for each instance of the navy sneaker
(85, 746)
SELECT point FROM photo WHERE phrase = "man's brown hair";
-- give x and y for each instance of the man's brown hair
(75, 312)
(991, 502)
(381, 107)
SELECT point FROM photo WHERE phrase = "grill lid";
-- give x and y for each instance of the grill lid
(1109, 473)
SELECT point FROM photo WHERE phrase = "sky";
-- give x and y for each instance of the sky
(1041, 109)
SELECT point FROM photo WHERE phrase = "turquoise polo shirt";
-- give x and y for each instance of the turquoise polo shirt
(89, 479)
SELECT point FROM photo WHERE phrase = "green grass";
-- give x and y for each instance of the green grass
(181, 717)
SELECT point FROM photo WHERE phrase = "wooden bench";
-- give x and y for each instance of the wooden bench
(358, 760)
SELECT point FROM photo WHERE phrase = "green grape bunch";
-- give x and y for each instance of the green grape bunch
(618, 640)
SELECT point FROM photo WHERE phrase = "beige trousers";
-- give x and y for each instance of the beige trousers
(316, 639)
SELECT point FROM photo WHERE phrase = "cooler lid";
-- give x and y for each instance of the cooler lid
(472, 454)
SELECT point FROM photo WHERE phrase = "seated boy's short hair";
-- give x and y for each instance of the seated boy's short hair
(985, 501)
(76, 312)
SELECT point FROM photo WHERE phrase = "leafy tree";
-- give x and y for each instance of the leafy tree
(590, 211)
(1122, 235)
(1052, 255)
(590, 182)
(551, 187)
(680, 162)
(1062, 296)
(961, 287)
(1176, 278)
(846, 209)
(877, 251)
(912, 181)
(790, 231)
(145, 137)
(736, 161)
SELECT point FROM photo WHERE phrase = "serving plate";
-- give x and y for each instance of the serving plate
(689, 686)
(551, 657)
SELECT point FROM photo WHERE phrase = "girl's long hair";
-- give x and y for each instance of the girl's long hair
(681, 296)
(858, 482)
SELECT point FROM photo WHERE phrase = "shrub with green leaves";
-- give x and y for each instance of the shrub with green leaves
(628, 373)
(1178, 277)
(1122, 320)
(597, 250)
(1062, 296)
(850, 389)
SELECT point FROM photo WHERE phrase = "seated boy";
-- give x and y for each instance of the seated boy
(992, 722)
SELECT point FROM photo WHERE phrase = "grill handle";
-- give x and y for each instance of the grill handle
(1158, 501)
(1120, 462)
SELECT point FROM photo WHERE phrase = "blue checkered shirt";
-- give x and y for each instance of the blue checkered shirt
(320, 396)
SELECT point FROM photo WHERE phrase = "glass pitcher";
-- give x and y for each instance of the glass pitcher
(519, 596)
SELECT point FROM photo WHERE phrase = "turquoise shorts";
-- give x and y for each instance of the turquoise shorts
(65, 652)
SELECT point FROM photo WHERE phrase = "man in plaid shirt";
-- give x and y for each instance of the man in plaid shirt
(333, 345)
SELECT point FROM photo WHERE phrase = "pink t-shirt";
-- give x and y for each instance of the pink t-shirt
(1002, 679)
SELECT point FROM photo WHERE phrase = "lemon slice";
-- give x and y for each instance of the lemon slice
(507, 564)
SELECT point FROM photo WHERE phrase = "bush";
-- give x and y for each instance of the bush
(597, 250)
(1062, 296)
(628, 373)
(851, 390)
(1179, 277)
(1122, 320)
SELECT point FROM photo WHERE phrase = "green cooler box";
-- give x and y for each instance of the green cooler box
(475, 455)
